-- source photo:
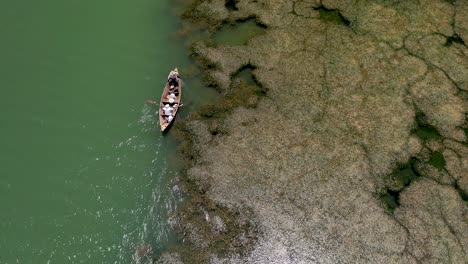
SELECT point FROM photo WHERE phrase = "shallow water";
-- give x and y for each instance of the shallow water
(238, 34)
(85, 176)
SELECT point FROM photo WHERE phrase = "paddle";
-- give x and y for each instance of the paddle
(180, 105)
(189, 103)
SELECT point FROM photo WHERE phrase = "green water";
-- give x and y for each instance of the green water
(238, 34)
(85, 175)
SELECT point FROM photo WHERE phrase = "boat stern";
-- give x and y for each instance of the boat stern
(164, 126)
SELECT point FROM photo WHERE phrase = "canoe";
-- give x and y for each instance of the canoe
(164, 120)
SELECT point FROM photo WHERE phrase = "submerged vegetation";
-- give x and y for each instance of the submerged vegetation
(231, 5)
(214, 228)
(398, 180)
(424, 130)
(238, 33)
(327, 131)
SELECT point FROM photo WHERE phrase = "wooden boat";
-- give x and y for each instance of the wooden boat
(164, 120)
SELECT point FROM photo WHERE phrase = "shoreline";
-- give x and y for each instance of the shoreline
(362, 156)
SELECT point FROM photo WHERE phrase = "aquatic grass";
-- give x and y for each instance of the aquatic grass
(199, 19)
(244, 91)
(238, 32)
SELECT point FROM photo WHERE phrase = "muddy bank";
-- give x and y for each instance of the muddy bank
(341, 138)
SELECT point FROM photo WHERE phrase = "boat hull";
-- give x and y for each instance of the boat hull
(164, 123)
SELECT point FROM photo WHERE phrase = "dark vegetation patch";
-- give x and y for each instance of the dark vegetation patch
(461, 192)
(466, 136)
(390, 200)
(244, 91)
(437, 160)
(407, 173)
(424, 130)
(231, 5)
(427, 133)
(397, 181)
(332, 16)
(454, 39)
(245, 75)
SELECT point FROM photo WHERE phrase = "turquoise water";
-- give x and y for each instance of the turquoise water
(85, 175)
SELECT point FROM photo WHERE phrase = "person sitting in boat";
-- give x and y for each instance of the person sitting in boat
(172, 78)
(173, 89)
(173, 82)
(171, 98)
(168, 110)
(171, 95)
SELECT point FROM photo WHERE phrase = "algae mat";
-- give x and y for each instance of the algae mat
(372, 166)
